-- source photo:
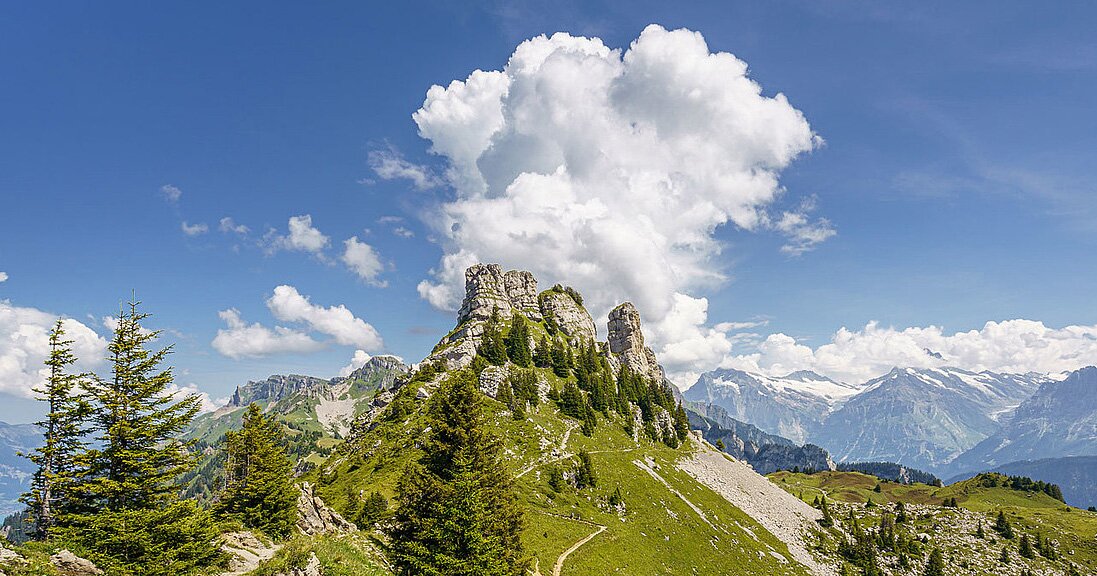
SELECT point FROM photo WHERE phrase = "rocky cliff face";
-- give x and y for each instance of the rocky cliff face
(766, 453)
(626, 343)
(571, 319)
(380, 372)
(278, 387)
(490, 290)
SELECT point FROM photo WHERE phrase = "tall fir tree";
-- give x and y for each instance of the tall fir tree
(492, 344)
(258, 476)
(517, 342)
(935, 565)
(50, 498)
(135, 523)
(458, 512)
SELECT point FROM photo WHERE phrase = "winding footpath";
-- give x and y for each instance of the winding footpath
(559, 565)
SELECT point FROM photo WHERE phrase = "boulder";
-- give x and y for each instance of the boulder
(314, 517)
(10, 557)
(69, 564)
(492, 378)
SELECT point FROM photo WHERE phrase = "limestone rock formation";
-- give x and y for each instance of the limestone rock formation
(492, 378)
(569, 317)
(489, 290)
(10, 557)
(626, 343)
(314, 517)
(277, 387)
(69, 564)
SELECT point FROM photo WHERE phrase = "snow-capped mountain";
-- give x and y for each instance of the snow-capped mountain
(923, 417)
(792, 406)
(1060, 419)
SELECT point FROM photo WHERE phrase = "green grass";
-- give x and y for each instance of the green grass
(347, 555)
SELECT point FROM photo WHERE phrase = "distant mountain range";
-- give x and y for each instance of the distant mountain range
(15, 470)
(943, 420)
(792, 407)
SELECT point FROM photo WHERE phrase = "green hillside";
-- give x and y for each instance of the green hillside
(653, 531)
(950, 515)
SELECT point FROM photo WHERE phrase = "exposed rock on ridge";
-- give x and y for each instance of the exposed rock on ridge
(626, 343)
(569, 317)
(314, 517)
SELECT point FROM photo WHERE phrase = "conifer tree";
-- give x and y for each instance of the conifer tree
(258, 476)
(935, 566)
(1002, 526)
(681, 423)
(1025, 547)
(585, 476)
(517, 342)
(134, 523)
(1004, 557)
(542, 354)
(492, 345)
(50, 496)
(561, 359)
(458, 512)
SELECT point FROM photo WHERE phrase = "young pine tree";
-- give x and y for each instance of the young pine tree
(51, 492)
(492, 344)
(935, 566)
(135, 522)
(1025, 548)
(517, 342)
(259, 477)
(458, 511)
(585, 476)
(681, 423)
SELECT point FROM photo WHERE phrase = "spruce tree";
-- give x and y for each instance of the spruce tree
(492, 345)
(681, 423)
(259, 477)
(458, 511)
(935, 566)
(585, 476)
(51, 492)
(542, 354)
(561, 359)
(1025, 548)
(134, 522)
(517, 342)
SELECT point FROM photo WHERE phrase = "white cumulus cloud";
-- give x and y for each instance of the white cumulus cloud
(171, 193)
(243, 340)
(357, 361)
(3, 276)
(302, 237)
(612, 170)
(288, 305)
(363, 260)
(228, 225)
(194, 229)
(858, 355)
(24, 346)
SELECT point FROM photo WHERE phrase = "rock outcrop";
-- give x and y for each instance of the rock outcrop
(278, 387)
(314, 517)
(379, 371)
(489, 290)
(570, 318)
(492, 378)
(626, 343)
(69, 564)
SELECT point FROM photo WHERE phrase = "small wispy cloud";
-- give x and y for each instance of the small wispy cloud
(170, 193)
(194, 229)
(389, 164)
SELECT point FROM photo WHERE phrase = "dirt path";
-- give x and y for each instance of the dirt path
(247, 552)
(556, 568)
(563, 453)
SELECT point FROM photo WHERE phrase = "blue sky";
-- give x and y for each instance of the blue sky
(957, 169)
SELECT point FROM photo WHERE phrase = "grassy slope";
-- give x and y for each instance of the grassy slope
(657, 534)
(1028, 511)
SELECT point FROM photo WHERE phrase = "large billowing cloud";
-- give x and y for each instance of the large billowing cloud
(24, 346)
(611, 171)
(856, 356)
